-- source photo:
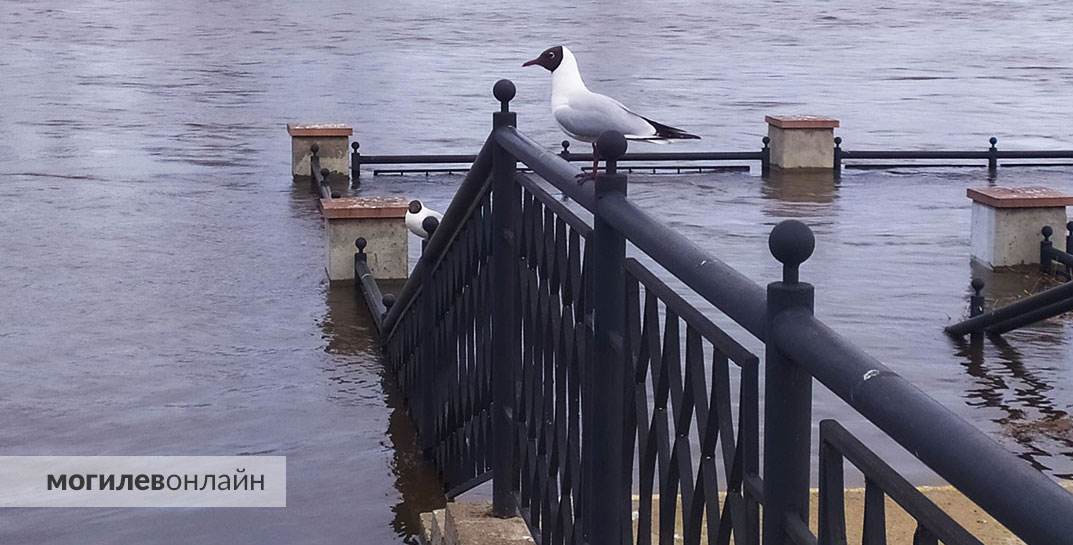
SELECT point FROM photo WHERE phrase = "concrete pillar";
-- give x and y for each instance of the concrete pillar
(381, 221)
(1006, 222)
(334, 142)
(801, 141)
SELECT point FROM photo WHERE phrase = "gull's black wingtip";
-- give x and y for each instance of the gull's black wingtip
(670, 133)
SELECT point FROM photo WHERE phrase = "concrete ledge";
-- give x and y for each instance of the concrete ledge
(333, 139)
(467, 523)
(380, 221)
(801, 122)
(1006, 223)
(433, 524)
(319, 129)
(801, 141)
(1019, 197)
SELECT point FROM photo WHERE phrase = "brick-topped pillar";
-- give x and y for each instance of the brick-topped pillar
(1006, 222)
(801, 141)
(334, 142)
(380, 221)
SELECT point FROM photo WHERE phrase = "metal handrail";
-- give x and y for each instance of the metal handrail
(908, 415)
(466, 200)
(959, 452)
(1028, 304)
(799, 346)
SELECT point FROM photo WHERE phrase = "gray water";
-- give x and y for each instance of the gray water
(162, 278)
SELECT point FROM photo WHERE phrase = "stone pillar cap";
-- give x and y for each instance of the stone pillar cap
(1019, 197)
(801, 121)
(363, 207)
(319, 129)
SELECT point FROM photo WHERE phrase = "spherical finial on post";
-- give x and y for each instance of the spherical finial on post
(766, 140)
(324, 173)
(977, 285)
(610, 146)
(315, 149)
(1046, 232)
(792, 243)
(430, 224)
(388, 300)
(993, 141)
(566, 147)
(355, 145)
(361, 243)
(504, 91)
(838, 141)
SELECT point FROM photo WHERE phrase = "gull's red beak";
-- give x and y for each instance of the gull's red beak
(531, 63)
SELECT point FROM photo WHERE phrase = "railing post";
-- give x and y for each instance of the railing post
(992, 156)
(838, 156)
(765, 157)
(565, 154)
(787, 392)
(355, 164)
(506, 316)
(976, 301)
(1045, 264)
(607, 515)
(429, 224)
(314, 168)
(1069, 248)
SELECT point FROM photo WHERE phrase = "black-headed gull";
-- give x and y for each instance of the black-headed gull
(416, 214)
(585, 115)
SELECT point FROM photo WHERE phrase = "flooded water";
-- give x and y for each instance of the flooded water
(161, 276)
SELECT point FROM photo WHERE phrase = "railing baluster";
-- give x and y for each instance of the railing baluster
(609, 524)
(874, 531)
(787, 392)
(506, 319)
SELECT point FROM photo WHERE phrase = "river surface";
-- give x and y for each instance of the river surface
(161, 280)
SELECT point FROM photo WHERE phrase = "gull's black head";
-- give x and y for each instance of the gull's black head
(550, 58)
(415, 207)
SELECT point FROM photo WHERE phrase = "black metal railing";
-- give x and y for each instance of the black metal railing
(692, 161)
(1049, 255)
(531, 351)
(1029, 310)
(318, 176)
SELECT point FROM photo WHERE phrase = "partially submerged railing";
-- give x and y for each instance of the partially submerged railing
(690, 161)
(532, 352)
(319, 176)
(1032, 309)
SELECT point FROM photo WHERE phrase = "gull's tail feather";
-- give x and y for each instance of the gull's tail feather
(667, 132)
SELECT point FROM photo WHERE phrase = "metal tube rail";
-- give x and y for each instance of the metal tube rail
(462, 206)
(963, 455)
(1028, 304)
(649, 156)
(1061, 256)
(365, 280)
(1032, 316)
(730, 291)
(909, 416)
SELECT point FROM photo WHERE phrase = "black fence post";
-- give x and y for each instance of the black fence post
(765, 157)
(1069, 248)
(314, 167)
(608, 518)
(838, 155)
(355, 164)
(565, 154)
(1045, 264)
(976, 301)
(992, 156)
(506, 316)
(787, 392)
(429, 224)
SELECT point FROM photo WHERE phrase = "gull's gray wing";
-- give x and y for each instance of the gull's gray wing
(587, 115)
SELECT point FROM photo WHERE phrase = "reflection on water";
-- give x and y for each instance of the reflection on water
(1006, 380)
(350, 331)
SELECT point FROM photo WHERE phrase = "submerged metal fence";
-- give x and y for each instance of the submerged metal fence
(532, 352)
(688, 161)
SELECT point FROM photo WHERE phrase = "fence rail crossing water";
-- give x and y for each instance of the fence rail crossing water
(532, 352)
